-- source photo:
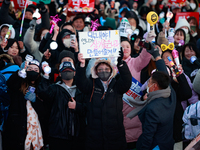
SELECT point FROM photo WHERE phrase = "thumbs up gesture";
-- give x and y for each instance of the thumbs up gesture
(72, 105)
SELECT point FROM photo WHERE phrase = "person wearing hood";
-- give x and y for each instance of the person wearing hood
(105, 129)
(183, 24)
(6, 18)
(4, 29)
(25, 125)
(65, 104)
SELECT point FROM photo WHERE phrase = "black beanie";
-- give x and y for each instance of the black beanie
(30, 10)
(66, 53)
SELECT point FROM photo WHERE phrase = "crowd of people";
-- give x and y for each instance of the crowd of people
(52, 98)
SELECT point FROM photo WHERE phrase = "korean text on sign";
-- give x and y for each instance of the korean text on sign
(99, 44)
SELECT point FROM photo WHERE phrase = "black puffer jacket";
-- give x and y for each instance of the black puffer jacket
(105, 129)
(61, 118)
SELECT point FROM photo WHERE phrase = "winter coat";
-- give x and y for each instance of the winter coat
(63, 122)
(157, 120)
(133, 127)
(196, 82)
(15, 127)
(31, 45)
(138, 63)
(189, 68)
(105, 129)
(157, 124)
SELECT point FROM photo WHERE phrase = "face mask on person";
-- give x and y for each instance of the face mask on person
(133, 28)
(104, 76)
(149, 88)
(67, 75)
(32, 75)
(66, 42)
(193, 6)
(153, 2)
(186, 30)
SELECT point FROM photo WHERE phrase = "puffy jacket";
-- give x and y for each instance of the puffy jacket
(105, 130)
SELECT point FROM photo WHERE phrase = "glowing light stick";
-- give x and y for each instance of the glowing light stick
(152, 18)
(20, 33)
(8, 33)
(95, 25)
(169, 16)
(176, 56)
(54, 21)
(181, 43)
(173, 66)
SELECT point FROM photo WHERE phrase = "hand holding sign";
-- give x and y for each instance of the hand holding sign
(81, 59)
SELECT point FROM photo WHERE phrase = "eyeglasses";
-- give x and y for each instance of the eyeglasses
(106, 70)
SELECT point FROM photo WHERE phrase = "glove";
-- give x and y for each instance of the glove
(47, 36)
(41, 5)
(170, 39)
(187, 5)
(150, 36)
(153, 50)
(30, 96)
(121, 55)
(33, 23)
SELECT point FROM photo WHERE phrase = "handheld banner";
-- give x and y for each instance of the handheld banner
(44, 1)
(187, 15)
(80, 6)
(20, 4)
(97, 44)
(133, 92)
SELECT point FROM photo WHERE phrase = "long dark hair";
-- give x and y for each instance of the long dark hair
(10, 43)
(191, 46)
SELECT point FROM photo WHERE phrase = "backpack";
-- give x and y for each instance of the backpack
(191, 119)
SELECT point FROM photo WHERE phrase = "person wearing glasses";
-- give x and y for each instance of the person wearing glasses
(105, 129)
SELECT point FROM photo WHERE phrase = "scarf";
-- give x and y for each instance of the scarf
(34, 132)
(150, 96)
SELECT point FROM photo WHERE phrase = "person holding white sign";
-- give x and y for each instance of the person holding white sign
(105, 129)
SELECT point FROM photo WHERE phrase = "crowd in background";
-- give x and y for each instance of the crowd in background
(53, 98)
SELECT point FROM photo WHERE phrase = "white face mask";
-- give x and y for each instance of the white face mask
(133, 28)
(149, 88)
(153, 2)
(66, 42)
(186, 30)
(193, 6)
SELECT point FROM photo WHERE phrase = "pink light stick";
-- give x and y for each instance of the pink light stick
(95, 25)
(54, 21)
(176, 56)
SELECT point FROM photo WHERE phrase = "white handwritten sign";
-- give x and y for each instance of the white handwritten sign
(96, 44)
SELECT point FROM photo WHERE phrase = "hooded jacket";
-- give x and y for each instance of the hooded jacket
(105, 129)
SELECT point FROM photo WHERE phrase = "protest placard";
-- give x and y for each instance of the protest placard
(186, 15)
(80, 6)
(44, 1)
(96, 44)
(133, 92)
(19, 4)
